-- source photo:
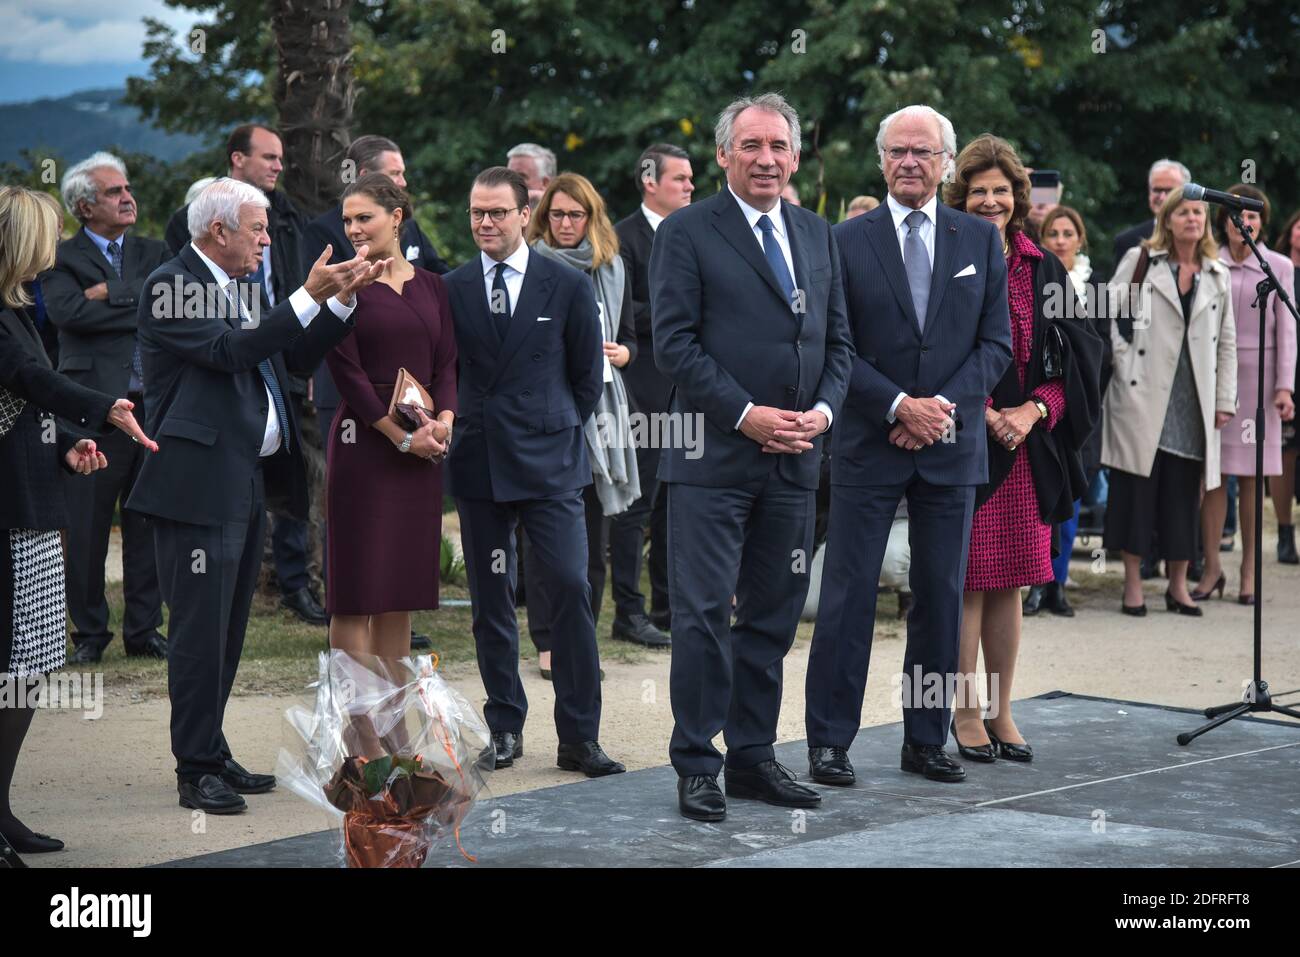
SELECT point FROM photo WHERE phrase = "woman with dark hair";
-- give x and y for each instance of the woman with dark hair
(1238, 439)
(33, 610)
(1284, 490)
(383, 481)
(1038, 418)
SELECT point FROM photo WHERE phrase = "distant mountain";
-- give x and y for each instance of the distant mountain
(74, 126)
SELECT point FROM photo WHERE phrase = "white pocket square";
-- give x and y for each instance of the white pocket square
(543, 318)
(968, 271)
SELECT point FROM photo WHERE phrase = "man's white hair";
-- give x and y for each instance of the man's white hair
(198, 186)
(79, 185)
(724, 129)
(221, 200)
(1160, 164)
(947, 135)
(545, 159)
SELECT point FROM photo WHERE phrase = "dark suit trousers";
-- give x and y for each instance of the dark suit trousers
(939, 520)
(627, 535)
(92, 500)
(558, 535)
(755, 542)
(208, 575)
(538, 600)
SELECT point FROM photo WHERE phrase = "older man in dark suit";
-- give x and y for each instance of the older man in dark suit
(926, 291)
(1165, 176)
(529, 340)
(666, 182)
(92, 295)
(749, 327)
(216, 381)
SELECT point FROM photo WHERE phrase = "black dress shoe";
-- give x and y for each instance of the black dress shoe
(1286, 550)
(421, 642)
(700, 798)
(1137, 611)
(1006, 750)
(639, 630)
(9, 858)
(86, 654)
(770, 782)
(155, 646)
(904, 604)
(587, 757)
(211, 794)
(1054, 600)
(1033, 601)
(983, 753)
(303, 604)
(509, 746)
(830, 766)
(932, 761)
(243, 781)
(663, 620)
(32, 843)
(1173, 604)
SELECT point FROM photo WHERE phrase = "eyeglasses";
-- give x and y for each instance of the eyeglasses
(496, 215)
(574, 216)
(923, 154)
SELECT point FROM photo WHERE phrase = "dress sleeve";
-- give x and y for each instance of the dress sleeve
(1052, 394)
(354, 386)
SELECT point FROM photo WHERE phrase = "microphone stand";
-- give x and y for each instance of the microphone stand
(1256, 697)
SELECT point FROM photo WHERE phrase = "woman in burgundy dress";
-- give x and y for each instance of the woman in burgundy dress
(1035, 467)
(383, 483)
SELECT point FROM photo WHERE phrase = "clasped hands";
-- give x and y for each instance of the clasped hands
(783, 431)
(342, 280)
(1010, 427)
(920, 422)
(432, 439)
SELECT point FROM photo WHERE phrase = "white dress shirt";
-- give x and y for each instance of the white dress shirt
(305, 308)
(653, 218)
(516, 266)
(779, 230)
(927, 232)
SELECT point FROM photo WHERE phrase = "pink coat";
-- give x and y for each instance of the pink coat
(1237, 438)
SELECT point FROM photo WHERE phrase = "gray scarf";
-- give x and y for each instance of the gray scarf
(608, 431)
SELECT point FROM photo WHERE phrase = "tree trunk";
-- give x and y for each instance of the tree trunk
(314, 95)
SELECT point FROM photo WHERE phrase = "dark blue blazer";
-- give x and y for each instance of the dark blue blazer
(962, 354)
(725, 335)
(521, 403)
(206, 403)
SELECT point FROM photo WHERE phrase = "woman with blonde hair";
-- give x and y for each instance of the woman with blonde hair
(571, 225)
(33, 611)
(1174, 384)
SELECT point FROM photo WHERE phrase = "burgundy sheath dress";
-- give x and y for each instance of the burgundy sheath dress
(383, 506)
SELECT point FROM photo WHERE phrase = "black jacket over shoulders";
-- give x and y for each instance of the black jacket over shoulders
(31, 486)
(1055, 456)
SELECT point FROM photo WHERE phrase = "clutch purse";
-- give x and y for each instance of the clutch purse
(10, 408)
(1053, 344)
(408, 395)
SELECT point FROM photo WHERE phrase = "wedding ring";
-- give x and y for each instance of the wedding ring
(1010, 436)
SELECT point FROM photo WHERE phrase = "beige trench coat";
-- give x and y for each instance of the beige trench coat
(1133, 413)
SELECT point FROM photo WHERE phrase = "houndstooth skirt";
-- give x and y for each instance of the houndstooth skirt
(38, 632)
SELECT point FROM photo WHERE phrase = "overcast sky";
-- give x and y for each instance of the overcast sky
(56, 47)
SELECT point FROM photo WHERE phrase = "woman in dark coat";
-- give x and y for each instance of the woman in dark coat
(383, 483)
(33, 612)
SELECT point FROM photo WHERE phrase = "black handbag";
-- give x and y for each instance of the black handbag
(1053, 346)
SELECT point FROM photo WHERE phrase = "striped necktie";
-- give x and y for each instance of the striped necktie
(268, 374)
(136, 383)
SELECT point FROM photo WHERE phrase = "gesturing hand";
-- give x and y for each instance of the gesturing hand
(120, 415)
(343, 279)
(83, 458)
(927, 419)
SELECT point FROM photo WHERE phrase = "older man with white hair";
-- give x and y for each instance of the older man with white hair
(925, 287)
(1165, 176)
(91, 296)
(229, 444)
(536, 164)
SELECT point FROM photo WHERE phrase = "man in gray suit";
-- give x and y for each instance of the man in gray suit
(749, 326)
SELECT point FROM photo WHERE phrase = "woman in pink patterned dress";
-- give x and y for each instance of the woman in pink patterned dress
(1035, 471)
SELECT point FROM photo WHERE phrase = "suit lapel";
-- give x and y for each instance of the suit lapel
(884, 239)
(97, 259)
(207, 281)
(799, 245)
(946, 237)
(1162, 279)
(539, 277)
(478, 321)
(731, 222)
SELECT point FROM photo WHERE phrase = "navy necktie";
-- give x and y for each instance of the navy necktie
(268, 376)
(136, 383)
(776, 258)
(500, 303)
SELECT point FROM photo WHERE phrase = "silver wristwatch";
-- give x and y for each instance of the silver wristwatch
(406, 443)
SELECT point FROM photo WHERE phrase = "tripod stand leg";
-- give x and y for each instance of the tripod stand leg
(1221, 709)
(1282, 709)
(1223, 718)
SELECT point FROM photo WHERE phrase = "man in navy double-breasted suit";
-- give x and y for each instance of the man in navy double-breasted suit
(926, 292)
(529, 338)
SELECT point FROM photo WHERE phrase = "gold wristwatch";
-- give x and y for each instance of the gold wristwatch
(1042, 408)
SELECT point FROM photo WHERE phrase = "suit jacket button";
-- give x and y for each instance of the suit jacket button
(1142, 352)
(525, 394)
(1133, 382)
(537, 356)
(925, 348)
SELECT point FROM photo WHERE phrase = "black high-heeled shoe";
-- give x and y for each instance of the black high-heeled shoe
(1245, 599)
(1217, 586)
(1006, 750)
(983, 753)
(1173, 604)
(1137, 611)
(33, 844)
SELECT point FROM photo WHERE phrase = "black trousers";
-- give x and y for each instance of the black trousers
(1157, 515)
(538, 600)
(939, 520)
(208, 574)
(755, 542)
(558, 535)
(291, 552)
(92, 500)
(627, 537)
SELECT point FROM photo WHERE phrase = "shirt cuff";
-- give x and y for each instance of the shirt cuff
(304, 306)
(341, 312)
(825, 410)
(748, 406)
(893, 408)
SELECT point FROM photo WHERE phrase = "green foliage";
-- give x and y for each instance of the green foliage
(1210, 83)
(452, 566)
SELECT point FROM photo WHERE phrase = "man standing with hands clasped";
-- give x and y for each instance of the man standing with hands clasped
(926, 292)
(749, 326)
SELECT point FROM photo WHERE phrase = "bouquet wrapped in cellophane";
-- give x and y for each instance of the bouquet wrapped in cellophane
(391, 752)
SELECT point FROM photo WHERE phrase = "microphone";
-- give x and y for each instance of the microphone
(1201, 194)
